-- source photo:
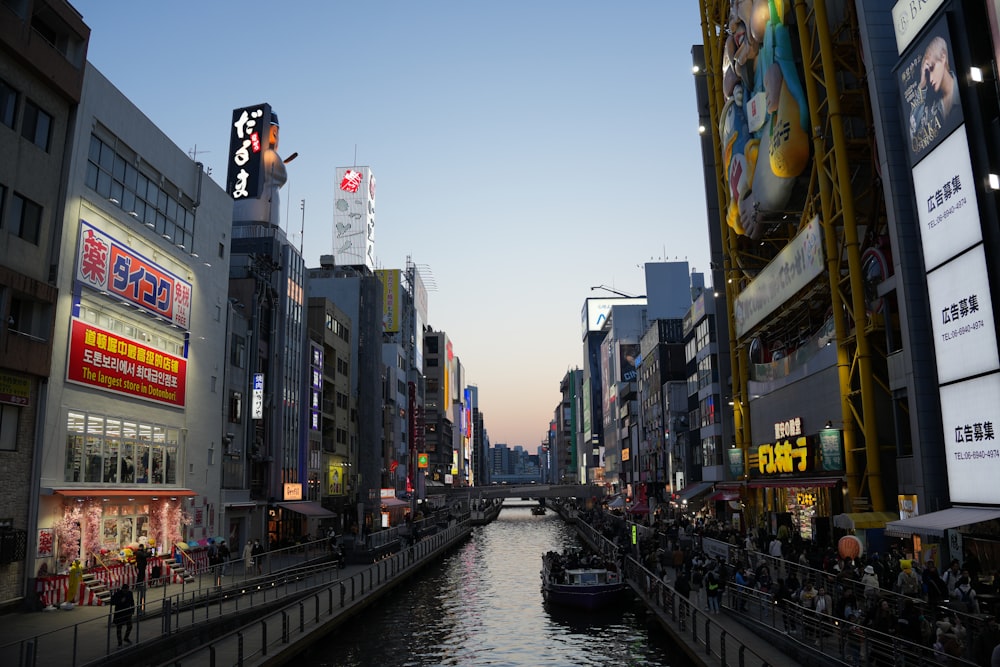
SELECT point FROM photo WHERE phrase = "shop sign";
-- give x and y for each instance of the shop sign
(787, 456)
(292, 491)
(735, 462)
(257, 398)
(109, 266)
(791, 428)
(908, 507)
(830, 449)
(14, 389)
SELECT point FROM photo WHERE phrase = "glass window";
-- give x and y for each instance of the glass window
(8, 427)
(8, 104)
(26, 218)
(93, 446)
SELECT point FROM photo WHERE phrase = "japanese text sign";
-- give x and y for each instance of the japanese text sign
(248, 137)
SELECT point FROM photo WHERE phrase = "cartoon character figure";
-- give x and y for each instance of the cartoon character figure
(765, 114)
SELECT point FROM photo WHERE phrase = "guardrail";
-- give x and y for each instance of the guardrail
(261, 638)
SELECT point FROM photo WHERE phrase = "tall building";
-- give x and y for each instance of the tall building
(564, 451)
(43, 51)
(134, 430)
(439, 424)
(855, 267)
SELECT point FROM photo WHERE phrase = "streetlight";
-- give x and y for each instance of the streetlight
(614, 291)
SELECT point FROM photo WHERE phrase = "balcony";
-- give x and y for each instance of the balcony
(25, 353)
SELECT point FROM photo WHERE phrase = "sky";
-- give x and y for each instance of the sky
(524, 151)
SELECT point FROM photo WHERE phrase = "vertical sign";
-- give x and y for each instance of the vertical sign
(258, 396)
(248, 136)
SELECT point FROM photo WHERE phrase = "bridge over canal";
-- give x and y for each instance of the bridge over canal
(533, 491)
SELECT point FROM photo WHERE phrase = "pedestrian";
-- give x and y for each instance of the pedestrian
(713, 583)
(258, 553)
(141, 561)
(224, 555)
(124, 605)
(248, 557)
(870, 581)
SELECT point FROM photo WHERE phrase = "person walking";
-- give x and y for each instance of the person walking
(258, 553)
(124, 605)
(247, 557)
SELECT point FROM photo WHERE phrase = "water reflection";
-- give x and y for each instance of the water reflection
(482, 605)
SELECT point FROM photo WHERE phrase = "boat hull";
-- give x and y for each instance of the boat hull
(584, 597)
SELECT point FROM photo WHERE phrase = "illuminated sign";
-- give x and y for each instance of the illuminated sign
(970, 413)
(422, 460)
(107, 265)
(14, 389)
(787, 456)
(390, 299)
(292, 491)
(965, 338)
(248, 137)
(257, 398)
(102, 359)
(596, 311)
(354, 217)
(909, 16)
(788, 429)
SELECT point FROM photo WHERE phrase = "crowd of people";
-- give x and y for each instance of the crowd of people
(883, 593)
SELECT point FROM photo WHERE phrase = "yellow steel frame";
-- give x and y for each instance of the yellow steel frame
(838, 105)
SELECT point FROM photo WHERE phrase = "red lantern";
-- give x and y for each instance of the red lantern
(850, 546)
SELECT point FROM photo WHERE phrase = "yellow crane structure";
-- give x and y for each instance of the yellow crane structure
(842, 189)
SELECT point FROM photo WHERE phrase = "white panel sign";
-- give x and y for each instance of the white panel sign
(965, 340)
(257, 399)
(354, 217)
(970, 411)
(909, 16)
(946, 201)
(596, 311)
(798, 264)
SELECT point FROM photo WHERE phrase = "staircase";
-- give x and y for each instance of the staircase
(175, 566)
(97, 587)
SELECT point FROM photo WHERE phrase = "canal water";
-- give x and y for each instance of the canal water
(482, 605)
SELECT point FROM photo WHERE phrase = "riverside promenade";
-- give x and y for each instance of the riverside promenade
(240, 618)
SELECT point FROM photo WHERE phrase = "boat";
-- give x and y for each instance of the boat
(575, 578)
(538, 510)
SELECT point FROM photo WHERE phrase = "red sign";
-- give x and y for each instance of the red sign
(102, 359)
(108, 265)
(351, 181)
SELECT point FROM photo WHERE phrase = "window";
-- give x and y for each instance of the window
(238, 351)
(36, 126)
(236, 407)
(25, 218)
(8, 104)
(8, 428)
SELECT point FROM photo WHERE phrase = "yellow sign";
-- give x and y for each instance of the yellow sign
(14, 389)
(784, 456)
(293, 491)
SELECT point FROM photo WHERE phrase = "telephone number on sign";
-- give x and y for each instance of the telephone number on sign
(978, 454)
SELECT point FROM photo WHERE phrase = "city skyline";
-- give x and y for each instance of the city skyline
(523, 153)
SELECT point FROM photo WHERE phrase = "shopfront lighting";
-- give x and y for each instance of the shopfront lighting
(994, 181)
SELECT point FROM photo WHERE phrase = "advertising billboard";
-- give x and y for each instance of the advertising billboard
(947, 207)
(795, 266)
(248, 137)
(354, 217)
(969, 411)
(595, 312)
(965, 339)
(107, 265)
(928, 90)
(390, 299)
(102, 359)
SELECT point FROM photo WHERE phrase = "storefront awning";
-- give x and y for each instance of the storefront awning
(863, 520)
(638, 508)
(936, 523)
(119, 493)
(793, 482)
(307, 508)
(395, 502)
(724, 494)
(694, 490)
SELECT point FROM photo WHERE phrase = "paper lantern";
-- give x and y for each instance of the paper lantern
(850, 546)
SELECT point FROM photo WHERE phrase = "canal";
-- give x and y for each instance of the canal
(482, 605)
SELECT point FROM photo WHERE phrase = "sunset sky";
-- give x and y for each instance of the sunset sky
(524, 151)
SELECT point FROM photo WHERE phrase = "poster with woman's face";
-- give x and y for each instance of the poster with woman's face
(929, 91)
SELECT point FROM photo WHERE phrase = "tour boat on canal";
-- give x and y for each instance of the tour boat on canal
(578, 579)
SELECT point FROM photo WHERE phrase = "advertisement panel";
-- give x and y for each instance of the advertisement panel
(596, 311)
(965, 340)
(248, 136)
(390, 299)
(928, 90)
(14, 389)
(969, 411)
(908, 17)
(101, 359)
(354, 217)
(108, 265)
(947, 207)
(793, 268)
